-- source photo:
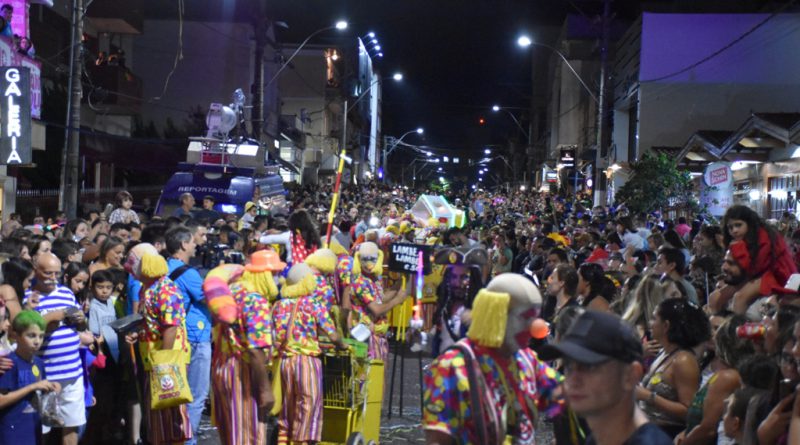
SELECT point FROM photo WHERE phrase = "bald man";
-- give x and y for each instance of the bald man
(491, 375)
(62, 361)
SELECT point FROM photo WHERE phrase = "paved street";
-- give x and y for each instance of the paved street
(399, 429)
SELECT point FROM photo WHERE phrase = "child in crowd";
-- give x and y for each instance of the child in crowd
(735, 413)
(90, 362)
(76, 275)
(104, 380)
(101, 309)
(19, 420)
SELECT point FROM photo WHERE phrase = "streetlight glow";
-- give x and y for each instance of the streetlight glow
(370, 34)
(428, 153)
(420, 130)
(496, 108)
(380, 54)
(375, 41)
(341, 24)
(524, 41)
(377, 48)
(487, 151)
(397, 77)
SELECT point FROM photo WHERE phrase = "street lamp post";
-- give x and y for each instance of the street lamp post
(340, 25)
(525, 42)
(397, 77)
(397, 141)
(497, 108)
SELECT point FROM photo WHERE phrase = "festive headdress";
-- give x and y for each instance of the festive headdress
(324, 260)
(144, 262)
(300, 282)
(219, 297)
(461, 256)
(492, 305)
(369, 249)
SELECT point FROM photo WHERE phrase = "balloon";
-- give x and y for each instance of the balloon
(539, 329)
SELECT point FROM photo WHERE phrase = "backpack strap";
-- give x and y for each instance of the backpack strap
(179, 271)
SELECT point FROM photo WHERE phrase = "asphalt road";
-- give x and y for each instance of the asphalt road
(401, 427)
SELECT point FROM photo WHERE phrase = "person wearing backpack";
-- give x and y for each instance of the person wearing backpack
(181, 248)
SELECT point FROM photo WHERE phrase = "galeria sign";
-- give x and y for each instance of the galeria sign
(15, 116)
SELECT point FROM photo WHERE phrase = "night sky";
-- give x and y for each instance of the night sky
(458, 56)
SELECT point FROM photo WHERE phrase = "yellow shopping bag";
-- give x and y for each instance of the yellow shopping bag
(169, 386)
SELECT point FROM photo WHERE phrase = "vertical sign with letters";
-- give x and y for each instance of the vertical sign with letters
(15, 116)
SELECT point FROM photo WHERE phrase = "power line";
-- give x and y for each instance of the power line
(726, 47)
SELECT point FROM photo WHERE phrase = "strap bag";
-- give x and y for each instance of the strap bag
(169, 386)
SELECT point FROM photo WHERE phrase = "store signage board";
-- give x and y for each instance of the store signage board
(15, 116)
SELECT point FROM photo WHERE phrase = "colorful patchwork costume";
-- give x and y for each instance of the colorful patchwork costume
(297, 318)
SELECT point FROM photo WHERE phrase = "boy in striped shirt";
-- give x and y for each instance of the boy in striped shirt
(61, 342)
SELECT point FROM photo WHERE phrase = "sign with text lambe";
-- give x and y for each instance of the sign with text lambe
(404, 257)
(15, 116)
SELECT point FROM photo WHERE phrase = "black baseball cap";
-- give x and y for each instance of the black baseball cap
(596, 337)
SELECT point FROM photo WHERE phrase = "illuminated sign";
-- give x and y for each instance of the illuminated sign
(551, 177)
(9, 57)
(567, 159)
(15, 116)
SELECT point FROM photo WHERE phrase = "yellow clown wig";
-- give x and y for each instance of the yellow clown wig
(369, 249)
(490, 315)
(262, 283)
(492, 305)
(300, 282)
(324, 260)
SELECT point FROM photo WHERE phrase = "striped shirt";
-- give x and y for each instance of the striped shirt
(62, 362)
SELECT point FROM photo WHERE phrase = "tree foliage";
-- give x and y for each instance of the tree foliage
(655, 184)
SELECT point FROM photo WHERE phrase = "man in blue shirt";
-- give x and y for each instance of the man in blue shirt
(181, 247)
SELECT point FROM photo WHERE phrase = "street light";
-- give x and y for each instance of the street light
(397, 77)
(525, 42)
(497, 108)
(487, 151)
(340, 25)
(386, 153)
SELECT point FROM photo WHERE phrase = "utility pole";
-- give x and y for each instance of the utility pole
(260, 25)
(70, 174)
(604, 111)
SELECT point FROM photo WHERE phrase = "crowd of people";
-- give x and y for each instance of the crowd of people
(615, 327)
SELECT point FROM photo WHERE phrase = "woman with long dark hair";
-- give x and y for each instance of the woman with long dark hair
(595, 290)
(674, 377)
(302, 238)
(17, 276)
(460, 283)
(672, 238)
(76, 278)
(770, 262)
